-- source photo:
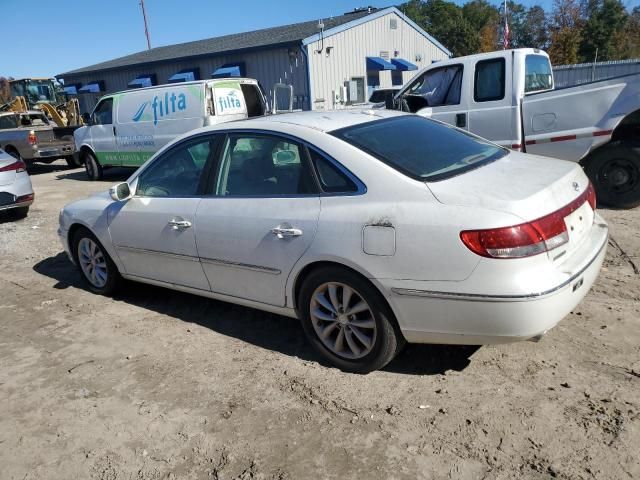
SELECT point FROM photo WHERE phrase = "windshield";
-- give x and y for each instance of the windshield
(34, 90)
(420, 148)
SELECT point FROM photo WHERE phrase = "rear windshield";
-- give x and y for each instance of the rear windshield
(421, 148)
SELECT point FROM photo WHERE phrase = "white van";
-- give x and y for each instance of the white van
(127, 128)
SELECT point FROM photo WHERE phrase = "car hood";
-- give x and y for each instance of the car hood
(528, 186)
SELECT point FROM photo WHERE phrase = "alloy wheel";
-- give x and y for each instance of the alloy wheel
(92, 262)
(343, 320)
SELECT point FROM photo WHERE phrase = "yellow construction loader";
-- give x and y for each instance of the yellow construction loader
(47, 95)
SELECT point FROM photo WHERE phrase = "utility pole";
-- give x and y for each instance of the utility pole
(146, 27)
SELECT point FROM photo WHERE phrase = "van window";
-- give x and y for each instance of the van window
(489, 80)
(441, 86)
(537, 73)
(103, 113)
(253, 100)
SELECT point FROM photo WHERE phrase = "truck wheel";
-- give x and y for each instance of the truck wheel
(615, 172)
(73, 161)
(92, 166)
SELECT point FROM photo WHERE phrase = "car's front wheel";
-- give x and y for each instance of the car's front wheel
(348, 321)
(97, 268)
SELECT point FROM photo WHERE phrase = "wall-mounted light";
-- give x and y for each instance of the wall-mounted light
(418, 57)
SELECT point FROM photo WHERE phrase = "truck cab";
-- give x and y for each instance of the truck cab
(508, 97)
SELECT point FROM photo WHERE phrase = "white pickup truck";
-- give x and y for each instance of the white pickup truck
(509, 97)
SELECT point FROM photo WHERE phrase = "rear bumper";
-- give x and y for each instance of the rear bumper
(53, 151)
(437, 316)
(18, 194)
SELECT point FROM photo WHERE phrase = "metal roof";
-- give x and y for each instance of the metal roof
(286, 34)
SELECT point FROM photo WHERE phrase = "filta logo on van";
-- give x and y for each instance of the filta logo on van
(230, 101)
(162, 108)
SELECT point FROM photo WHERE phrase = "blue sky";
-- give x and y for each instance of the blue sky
(90, 31)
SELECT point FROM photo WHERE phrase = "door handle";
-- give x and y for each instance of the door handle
(114, 131)
(177, 224)
(286, 232)
(461, 120)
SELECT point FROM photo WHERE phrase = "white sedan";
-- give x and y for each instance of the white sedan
(372, 227)
(16, 192)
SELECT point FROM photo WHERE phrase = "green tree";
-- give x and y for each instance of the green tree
(445, 21)
(565, 32)
(535, 29)
(603, 19)
(484, 18)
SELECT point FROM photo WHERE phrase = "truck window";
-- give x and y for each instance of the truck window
(103, 114)
(537, 74)
(8, 121)
(489, 80)
(441, 86)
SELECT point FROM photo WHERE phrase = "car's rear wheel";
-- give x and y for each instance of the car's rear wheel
(615, 172)
(92, 166)
(347, 320)
(96, 267)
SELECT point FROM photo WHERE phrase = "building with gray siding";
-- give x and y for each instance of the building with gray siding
(329, 63)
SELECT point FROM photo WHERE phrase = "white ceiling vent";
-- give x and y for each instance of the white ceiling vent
(393, 23)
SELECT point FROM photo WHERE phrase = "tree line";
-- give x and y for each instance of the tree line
(571, 33)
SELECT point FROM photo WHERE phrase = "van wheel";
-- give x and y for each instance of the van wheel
(615, 172)
(347, 320)
(92, 166)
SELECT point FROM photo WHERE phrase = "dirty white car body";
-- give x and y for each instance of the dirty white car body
(401, 236)
(16, 192)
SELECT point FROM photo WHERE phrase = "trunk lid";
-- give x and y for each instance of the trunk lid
(527, 186)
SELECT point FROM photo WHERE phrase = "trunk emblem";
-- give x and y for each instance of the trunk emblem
(576, 186)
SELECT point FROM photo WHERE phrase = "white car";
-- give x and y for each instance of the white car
(372, 227)
(16, 192)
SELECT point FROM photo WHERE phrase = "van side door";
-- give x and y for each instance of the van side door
(103, 135)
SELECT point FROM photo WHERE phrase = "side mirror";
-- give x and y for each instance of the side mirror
(86, 118)
(120, 192)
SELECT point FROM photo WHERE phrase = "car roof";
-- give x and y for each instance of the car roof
(324, 121)
(28, 112)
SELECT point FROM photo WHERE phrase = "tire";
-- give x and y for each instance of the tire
(376, 323)
(73, 161)
(20, 213)
(92, 167)
(614, 171)
(101, 277)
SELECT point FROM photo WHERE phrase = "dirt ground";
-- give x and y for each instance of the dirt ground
(155, 384)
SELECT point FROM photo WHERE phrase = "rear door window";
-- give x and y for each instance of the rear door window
(489, 80)
(263, 165)
(333, 179)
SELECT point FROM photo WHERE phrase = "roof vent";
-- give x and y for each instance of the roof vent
(368, 9)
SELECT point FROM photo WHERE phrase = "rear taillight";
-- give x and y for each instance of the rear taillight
(26, 198)
(17, 166)
(526, 239)
(591, 196)
(32, 138)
